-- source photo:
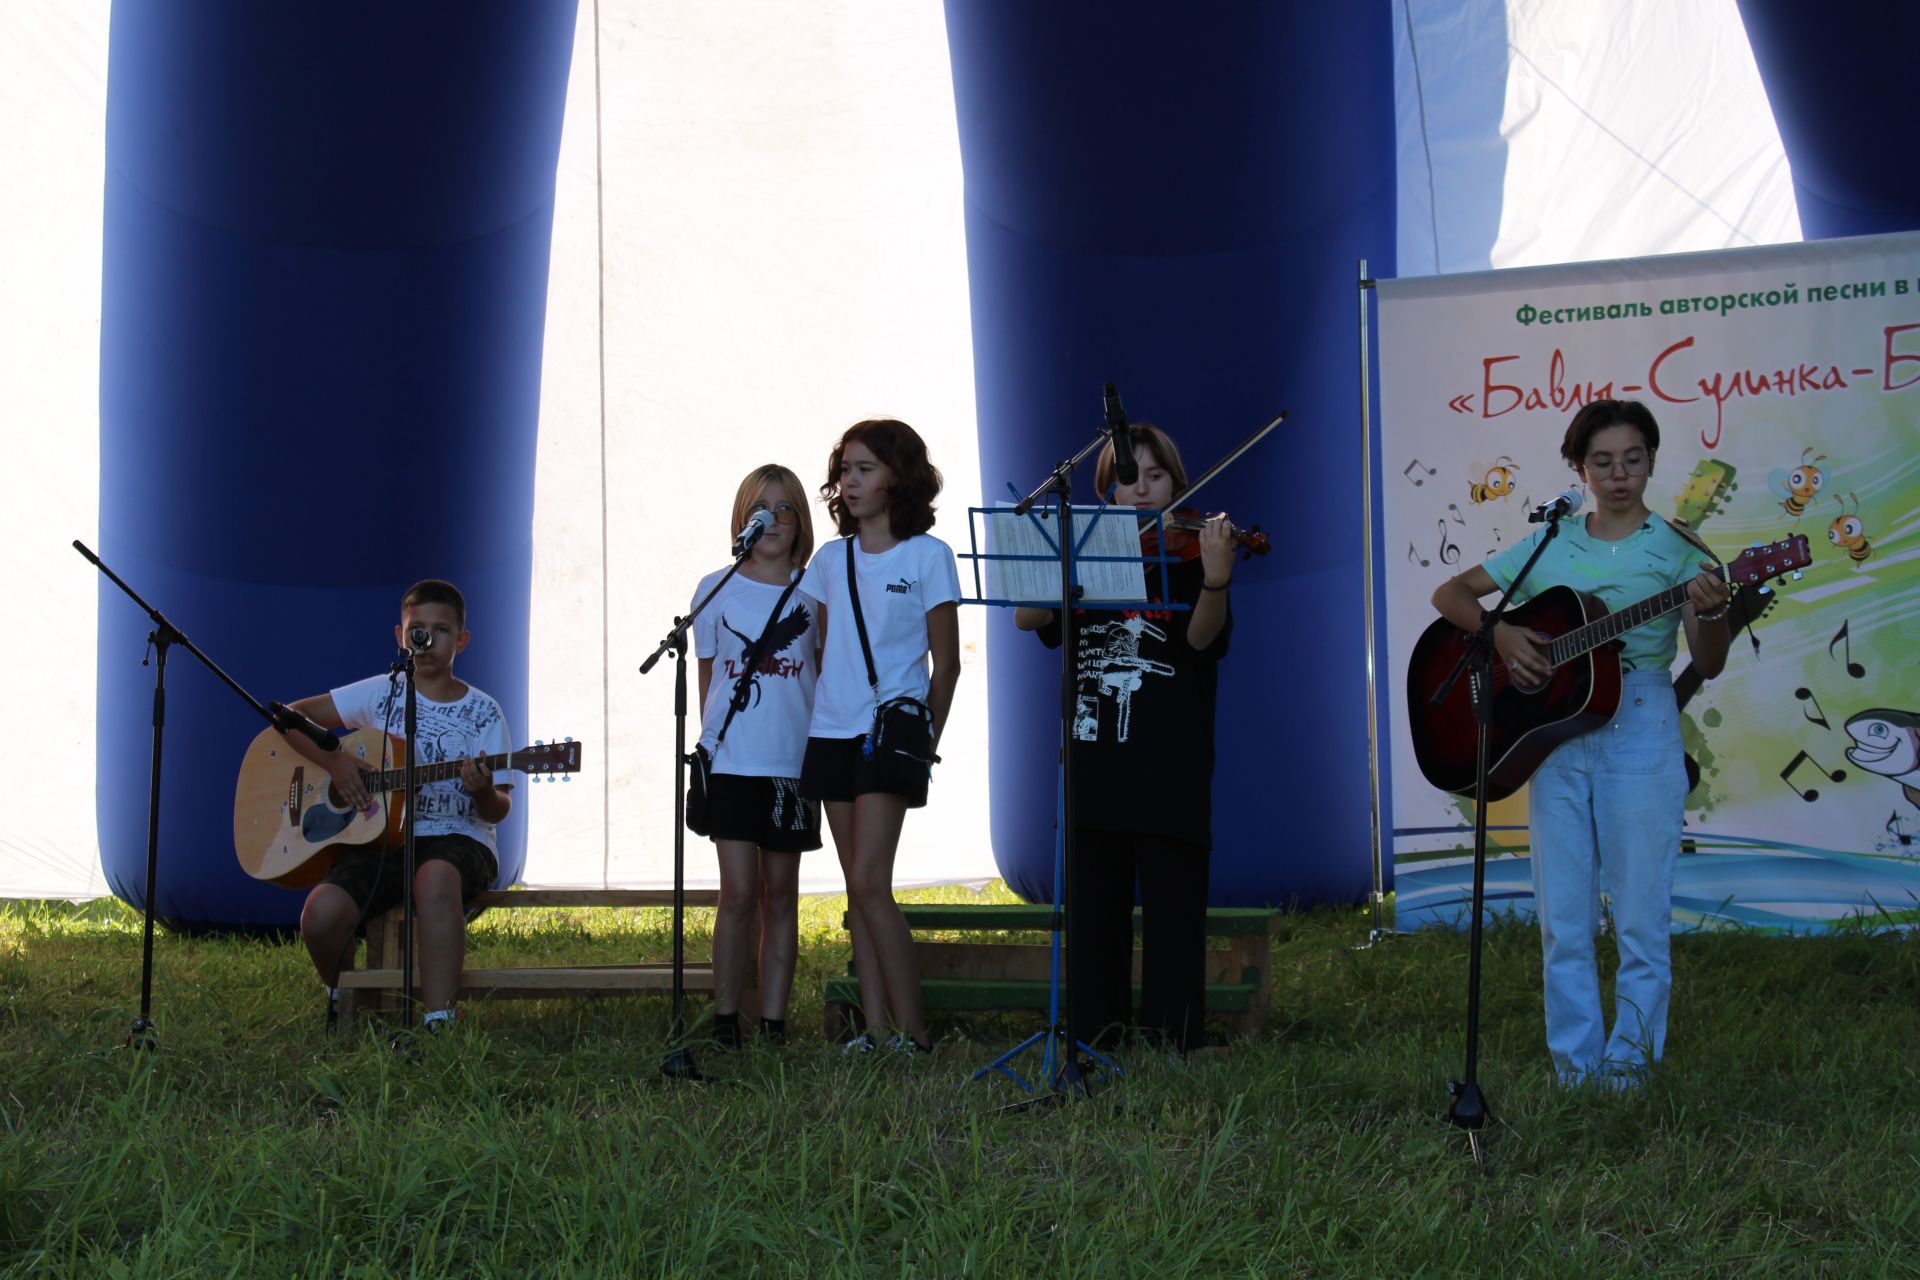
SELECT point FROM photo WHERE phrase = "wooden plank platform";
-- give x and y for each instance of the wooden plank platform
(547, 981)
(1012, 976)
(377, 986)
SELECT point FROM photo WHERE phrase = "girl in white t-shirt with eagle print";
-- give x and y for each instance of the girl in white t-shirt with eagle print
(880, 489)
(754, 729)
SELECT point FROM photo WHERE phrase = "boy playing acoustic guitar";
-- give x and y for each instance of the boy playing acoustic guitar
(455, 854)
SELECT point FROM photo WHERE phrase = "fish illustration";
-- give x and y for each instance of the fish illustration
(1887, 742)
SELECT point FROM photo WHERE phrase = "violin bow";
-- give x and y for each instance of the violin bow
(1180, 500)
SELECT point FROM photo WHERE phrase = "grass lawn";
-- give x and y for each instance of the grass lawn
(1782, 1137)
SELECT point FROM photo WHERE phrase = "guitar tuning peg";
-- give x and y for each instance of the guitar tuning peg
(566, 777)
(567, 739)
(1796, 575)
(539, 742)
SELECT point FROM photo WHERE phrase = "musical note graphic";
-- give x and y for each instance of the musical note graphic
(1408, 473)
(1449, 553)
(1840, 637)
(1813, 713)
(1809, 795)
(1897, 829)
(1457, 517)
(1416, 557)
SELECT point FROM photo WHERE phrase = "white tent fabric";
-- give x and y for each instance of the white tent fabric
(758, 240)
(1532, 132)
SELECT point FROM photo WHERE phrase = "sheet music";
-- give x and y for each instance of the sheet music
(1115, 532)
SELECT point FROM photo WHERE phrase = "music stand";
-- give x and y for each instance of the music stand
(1060, 1065)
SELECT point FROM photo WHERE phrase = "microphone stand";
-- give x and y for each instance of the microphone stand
(401, 1042)
(679, 1064)
(164, 636)
(1469, 1108)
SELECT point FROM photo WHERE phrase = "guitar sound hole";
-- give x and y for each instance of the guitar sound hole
(1520, 684)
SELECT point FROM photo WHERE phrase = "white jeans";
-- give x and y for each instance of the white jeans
(1610, 801)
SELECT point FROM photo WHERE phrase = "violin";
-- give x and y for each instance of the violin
(1183, 525)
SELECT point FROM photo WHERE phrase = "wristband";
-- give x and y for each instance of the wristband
(1208, 586)
(1713, 617)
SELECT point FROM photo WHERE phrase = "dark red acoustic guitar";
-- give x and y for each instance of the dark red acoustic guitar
(1582, 693)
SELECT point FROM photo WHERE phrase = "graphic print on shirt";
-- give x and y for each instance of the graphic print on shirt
(1111, 667)
(779, 639)
(448, 731)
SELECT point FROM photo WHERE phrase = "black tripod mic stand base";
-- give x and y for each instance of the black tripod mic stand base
(679, 1066)
(1469, 1111)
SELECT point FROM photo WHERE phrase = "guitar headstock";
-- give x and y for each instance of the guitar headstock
(1767, 560)
(545, 759)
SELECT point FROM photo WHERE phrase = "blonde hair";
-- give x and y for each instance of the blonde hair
(751, 491)
(1158, 443)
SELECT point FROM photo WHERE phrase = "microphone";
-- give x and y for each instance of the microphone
(756, 527)
(1125, 469)
(419, 639)
(1565, 505)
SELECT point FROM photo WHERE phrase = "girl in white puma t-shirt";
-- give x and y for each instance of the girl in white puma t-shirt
(880, 490)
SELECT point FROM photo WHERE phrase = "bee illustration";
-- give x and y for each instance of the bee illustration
(1798, 488)
(1849, 533)
(1496, 481)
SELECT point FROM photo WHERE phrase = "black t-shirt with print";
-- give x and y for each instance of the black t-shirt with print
(1143, 722)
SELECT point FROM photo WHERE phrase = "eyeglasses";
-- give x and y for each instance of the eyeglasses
(1634, 462)
(782, 514)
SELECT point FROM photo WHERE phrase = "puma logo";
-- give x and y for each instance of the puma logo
(901, 587)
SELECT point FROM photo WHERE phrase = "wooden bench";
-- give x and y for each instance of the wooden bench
(377, 986)
(1015, 976)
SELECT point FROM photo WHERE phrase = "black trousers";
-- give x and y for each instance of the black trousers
(1172, 877)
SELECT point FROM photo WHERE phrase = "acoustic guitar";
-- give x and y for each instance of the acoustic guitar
(290, 824)
(1581, 693)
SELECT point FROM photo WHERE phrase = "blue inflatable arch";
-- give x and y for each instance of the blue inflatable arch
(325, 284)
(1177, 200)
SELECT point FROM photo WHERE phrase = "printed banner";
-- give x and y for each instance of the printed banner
(1786, 382)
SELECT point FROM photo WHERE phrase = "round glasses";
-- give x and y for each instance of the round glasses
(782, 514)
(1634, 462)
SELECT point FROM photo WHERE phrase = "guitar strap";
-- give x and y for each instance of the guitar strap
(1699, 544)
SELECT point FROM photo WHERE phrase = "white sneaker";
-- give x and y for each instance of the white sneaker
(859, 1045)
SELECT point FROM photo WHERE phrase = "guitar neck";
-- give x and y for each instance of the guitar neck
(1614, 625)
(396, 779)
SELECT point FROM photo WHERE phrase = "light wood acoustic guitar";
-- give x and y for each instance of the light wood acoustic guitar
(1580, 695)
(289, 823)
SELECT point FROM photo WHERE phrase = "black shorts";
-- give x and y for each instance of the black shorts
(373, 879)
(834, 769)
(768, 812)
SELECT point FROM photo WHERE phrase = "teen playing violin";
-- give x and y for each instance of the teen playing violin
(1143, 772)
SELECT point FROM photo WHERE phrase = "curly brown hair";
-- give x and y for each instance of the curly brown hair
(916, 481)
